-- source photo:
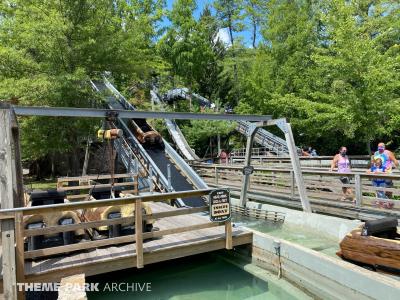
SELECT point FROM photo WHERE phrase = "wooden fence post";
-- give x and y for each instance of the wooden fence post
(136, 185)
(19, 249)
(358, 189)
(7, 201)
(138, 233)
(228, 235)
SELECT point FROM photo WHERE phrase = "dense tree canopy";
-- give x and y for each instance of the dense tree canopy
(331, 67)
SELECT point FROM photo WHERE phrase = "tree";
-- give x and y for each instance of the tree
(230, 15)
(177, 45)
(191, 48)
(199, 132)
(255, 11)
(49, 51)
(358, 69)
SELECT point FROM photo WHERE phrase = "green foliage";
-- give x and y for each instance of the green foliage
(190, 48)
(331, 67)
(50, 49)
(199, 132)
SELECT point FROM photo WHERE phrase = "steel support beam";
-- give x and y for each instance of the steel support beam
(294, 158)
(287, 130)
(252, 130)
(130, 114)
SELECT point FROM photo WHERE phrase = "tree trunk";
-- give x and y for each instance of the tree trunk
(53, 168)
(368, 145)
(37, 170)
(254, 36)
(235, 71)
(86, 162)
(75, 161)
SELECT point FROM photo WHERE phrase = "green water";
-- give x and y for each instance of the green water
(298, 235)
(198, 277)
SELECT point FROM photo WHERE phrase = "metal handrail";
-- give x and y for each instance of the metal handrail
(175, 131)
(266, 139)
(185, 168)
(262, 137)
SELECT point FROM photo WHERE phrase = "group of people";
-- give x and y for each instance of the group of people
(382, 162)
(308, 151)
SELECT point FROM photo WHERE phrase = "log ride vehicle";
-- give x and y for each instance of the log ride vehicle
(114, 212)
(38, 197)
(374, 245)
(146, 135)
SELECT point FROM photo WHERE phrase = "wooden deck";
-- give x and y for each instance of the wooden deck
(107, 259)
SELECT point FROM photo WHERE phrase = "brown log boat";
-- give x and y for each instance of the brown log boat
(376, 245)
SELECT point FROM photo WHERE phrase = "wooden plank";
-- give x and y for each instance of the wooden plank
(96, 266)
(123, 221)
(97, 185)
(176, 212)
(73, 227)
(138, 231)
(155, 234)
(96, 177)
(228, 235)
(18, 186)
(358, 190)
(79, 246)
(114, 241)
(107, 202)
(7, 215)
(19, 249)
(7, 201)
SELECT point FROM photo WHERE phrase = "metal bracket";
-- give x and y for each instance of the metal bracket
(282, 125)
(111, 115)
(247, 170)
(252, 127)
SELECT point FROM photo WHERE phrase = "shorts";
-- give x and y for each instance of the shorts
(389, 183)
(345, 180)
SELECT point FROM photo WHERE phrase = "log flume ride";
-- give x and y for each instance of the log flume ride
(375, 245)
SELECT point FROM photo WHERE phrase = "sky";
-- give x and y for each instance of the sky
(223, 34)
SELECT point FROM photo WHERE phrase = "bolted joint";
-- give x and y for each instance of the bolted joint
(250, 129)
(111, 116)
(282, 125)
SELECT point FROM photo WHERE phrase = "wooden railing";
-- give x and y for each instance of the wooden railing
(90, 181)
(21, 233)
(320, 185)
(260, 157)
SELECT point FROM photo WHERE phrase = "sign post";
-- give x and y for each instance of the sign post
(248, 169)
(220, 211)
(220, 206)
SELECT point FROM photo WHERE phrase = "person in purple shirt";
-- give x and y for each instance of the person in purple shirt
(342, 163)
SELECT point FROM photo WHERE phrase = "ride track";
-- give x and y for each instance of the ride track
(263, 137)
(182, 177)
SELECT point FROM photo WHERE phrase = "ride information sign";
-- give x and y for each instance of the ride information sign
(248, 170)
(220, 206)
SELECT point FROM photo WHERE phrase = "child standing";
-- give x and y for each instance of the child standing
(378, 168)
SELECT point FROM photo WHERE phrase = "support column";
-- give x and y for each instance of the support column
(86, 162)
(287, 130)
(7, 201)
(251, 132)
